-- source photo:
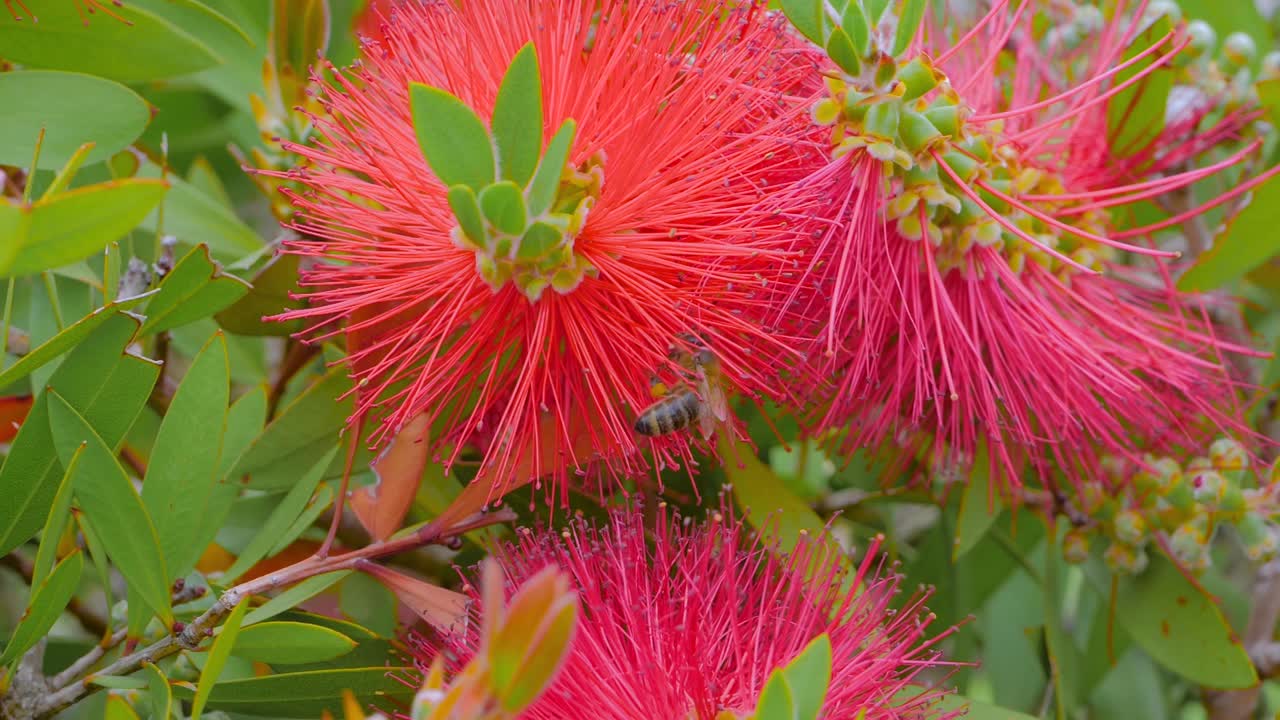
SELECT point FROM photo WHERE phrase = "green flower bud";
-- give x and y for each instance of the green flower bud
(1227, 454)
(1130, 528)
(1238, 50)
(1075, 546)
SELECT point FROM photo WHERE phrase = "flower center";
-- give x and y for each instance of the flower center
(534, 252)
(957, 183)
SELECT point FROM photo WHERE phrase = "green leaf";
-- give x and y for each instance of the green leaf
(184, 461)
(466, 209)
(503, 205)
(119, 682)
(65, 340)
(1229, 17)
(1135, 115)
(807, 17)
(59, 515)
(195, 288)
(1248, 241)
(72, 109)
(215, 30)
(978, 710)
(107, 386)
(99, 558)
(809, 676)
(281, 518)
(48, 600)
(855, 25)
(875, 9)
(546, 181)
(147, 48)
(369, 603)
(195, 218)
(294, 596)
(769, 503)
(452, 138)
(269, 295)
(1178, 624)
(841, 51)
(307, 694)
(159, 693)
(776, 702)
(217, 659)
(245, 420)
(1064, 658)
(291, 643)
(110, 501)
(76, 224)
(117, 707)
(308, 425)
(517, 117)
(908, 23)
(978, 507)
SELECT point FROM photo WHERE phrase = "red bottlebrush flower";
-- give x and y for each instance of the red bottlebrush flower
(980, 289)
(671, 157)
(369, 22)
(694, 625)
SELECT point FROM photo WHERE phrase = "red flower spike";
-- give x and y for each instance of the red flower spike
(695, 625)
(977, 282)
(677, 236)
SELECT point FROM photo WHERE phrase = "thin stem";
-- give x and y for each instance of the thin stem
(194, 633)
(86, 661)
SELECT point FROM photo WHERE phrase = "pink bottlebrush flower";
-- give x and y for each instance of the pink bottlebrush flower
(967, 245)
(672, 104)
(694, 625)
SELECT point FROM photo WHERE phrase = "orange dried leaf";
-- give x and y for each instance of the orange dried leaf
(13, 411)
(444, 609)
(382, 506)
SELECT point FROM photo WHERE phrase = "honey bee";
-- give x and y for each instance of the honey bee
(677, 409)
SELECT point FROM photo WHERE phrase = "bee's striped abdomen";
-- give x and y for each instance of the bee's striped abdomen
(673, 412)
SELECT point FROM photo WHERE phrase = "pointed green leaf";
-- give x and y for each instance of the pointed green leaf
(184, 461)
(195, 288)
(270, 295)
(59, 515)
(908, 23)
(65, 340)
(875, 9)
(76, 224)
(766, 499)
(1248, 241)
(466, 209)
(978, 507)
(144, 47)
(48, 600)
(119, 682)
(72, 109)
(159, 693)
(281, 518)
(217, 659)
(196, 218)
(318, 503)
(109, 499)
(1178, 624)
(291, 643)
(294, 596)
(809, 676)
(841, 51)
(540, 239)
(775, 702)
(503, 205)
(855, 25)
(308, 425)
(108, 386)
(245, 420)
(807, 17)
(99, 557)
(453, 140)
(1136, 115)
(371, 603)
(307, 694)
(517, 117)
(546, 181)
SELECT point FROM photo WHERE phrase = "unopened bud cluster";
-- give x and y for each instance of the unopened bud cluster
(953, 182)
(1186, 505)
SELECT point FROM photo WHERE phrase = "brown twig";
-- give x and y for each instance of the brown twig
(194, 633)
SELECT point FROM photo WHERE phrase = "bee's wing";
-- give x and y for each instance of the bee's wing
(714, 408)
